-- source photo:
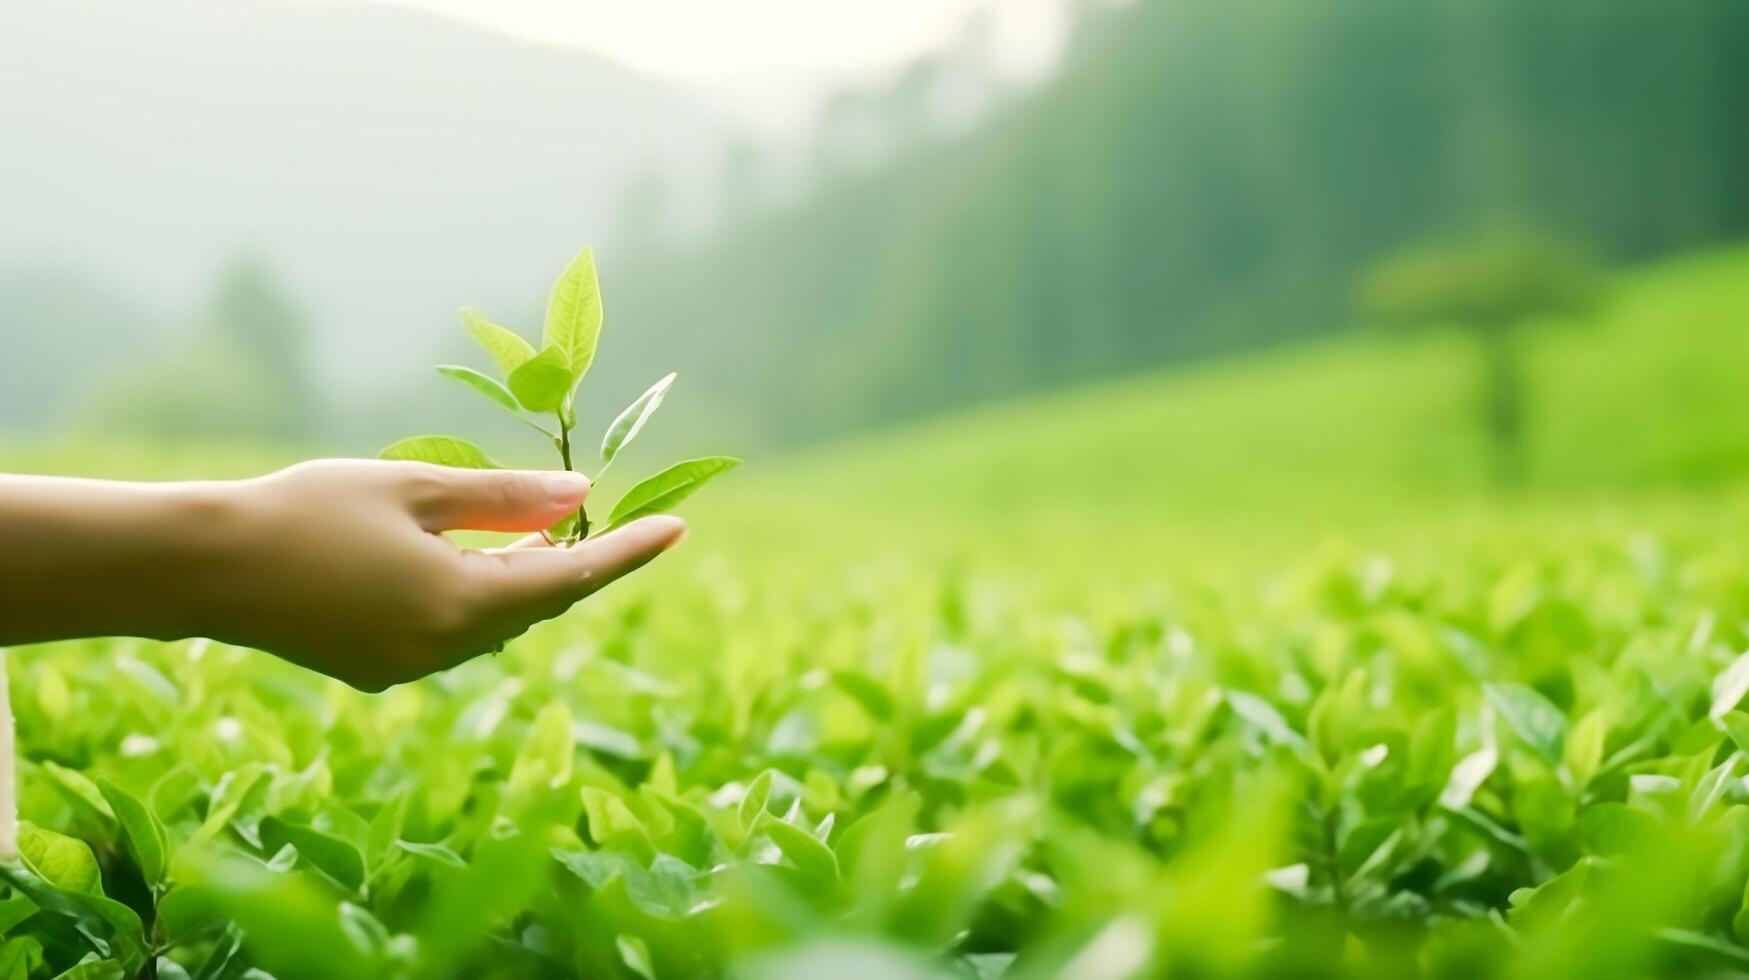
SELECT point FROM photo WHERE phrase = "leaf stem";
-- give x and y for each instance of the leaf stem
(565, 457)
(536, 426)
(564, 441)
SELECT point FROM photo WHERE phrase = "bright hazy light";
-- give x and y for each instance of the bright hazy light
(754, 49)
(689, 38)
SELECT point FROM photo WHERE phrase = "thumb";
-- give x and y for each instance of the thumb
(500, 500)
(539, 583)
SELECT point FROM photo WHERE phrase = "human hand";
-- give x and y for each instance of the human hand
(340, 566)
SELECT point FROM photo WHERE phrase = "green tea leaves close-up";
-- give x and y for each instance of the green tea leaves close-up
(545, 383)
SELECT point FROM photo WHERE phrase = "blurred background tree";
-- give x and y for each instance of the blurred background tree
(1201, 177)
(243, 371)
(1493, 287)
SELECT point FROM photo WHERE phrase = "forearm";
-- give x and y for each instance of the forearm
(97, 558)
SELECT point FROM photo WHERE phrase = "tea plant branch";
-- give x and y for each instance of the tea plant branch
(537, 382)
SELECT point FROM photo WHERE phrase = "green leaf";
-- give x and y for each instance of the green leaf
(225, 955)
(1584, 749)
(867, 692)
(85, 799)
(386, 827)
(332, 856)
(366, 931)
(442, 450)
(625, 428)
(608, 816)
(1262, 715)
(545, 759)
(64, 862)
(753, 802)
(812, 858)
(1536, 721)
(145, 837)
(484, 384)
(1719, 950)
(507, 872)
(507, 349)
(543, 383)
(15, 908)
(661, 492)
(290, 920)
(19, 956)
(574, 315)
(227, 800)
(432, 852)
(104, 921)
(1736, 725)
(93, 968)
(185, 912)
(1729, 686)
(596, 868)
(1610, 829)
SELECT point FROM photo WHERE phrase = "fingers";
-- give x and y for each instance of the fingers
(495, 500)
(529, 583)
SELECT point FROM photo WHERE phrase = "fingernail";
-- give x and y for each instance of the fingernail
(565, 487)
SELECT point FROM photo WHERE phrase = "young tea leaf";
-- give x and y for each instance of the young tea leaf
(93, 968)
(18, 956)
(432, 852)
(661, 492)
(88, 804)
(543, 382)
(546, 757)
(442, 450)
(145, 837)
(1530, 715)
(64, 862)
(625, 428)
(484, 384)
(508, 350)
(336, 858)
(574, 315)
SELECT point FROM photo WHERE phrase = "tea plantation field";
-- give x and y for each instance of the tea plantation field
(1146, 680)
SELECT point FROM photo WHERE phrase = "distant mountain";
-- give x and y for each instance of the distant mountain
(387, 164)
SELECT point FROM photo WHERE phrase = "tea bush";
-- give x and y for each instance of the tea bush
(1520, 755)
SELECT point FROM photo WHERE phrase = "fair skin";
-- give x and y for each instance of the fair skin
(338, 565)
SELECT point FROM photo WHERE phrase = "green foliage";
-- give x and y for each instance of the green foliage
(1378, 765)
(1490, 282)
(485, 384)
(545, 383)
(666, 489)
(147, 843)
(1490, 285)
(574, 314)
(243, 373)
(442, 450)
(626, 426)
(507, 348)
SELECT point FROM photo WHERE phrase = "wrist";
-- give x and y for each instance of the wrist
(190, 562)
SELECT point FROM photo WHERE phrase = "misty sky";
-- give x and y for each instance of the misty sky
(767, 61)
